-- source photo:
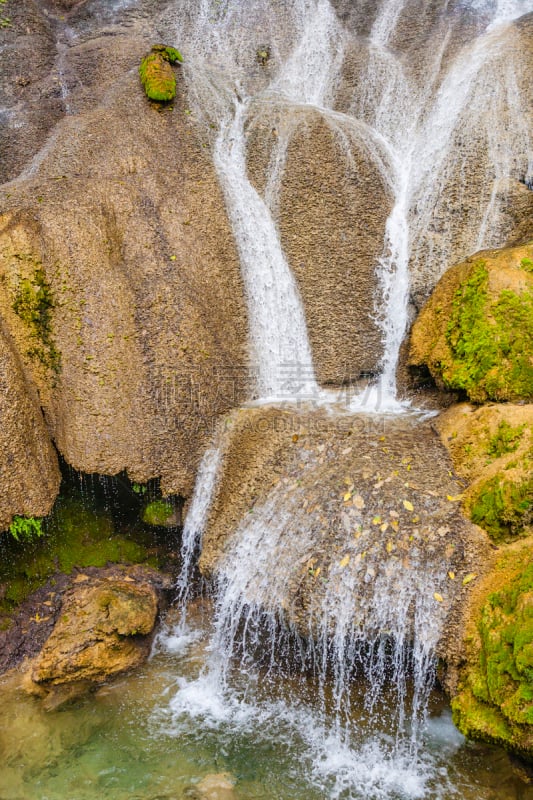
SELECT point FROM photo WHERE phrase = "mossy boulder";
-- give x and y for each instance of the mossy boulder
(475, 334)
(156, 73)
(492, 447)
(494, 702)
(161, 513)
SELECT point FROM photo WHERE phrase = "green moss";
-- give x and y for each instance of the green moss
(495, 702)
(527, 264)
(157, 512)
(33, 303)
(505, 440)
(74, 537)
(168, 53)
(503, 507)
(490, 342)
(157, 77)
(26, 528)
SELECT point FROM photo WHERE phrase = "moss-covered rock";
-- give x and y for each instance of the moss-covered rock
(494, 701)
(161, 513)
(74, 536)
(475, 334)
(156, 74)
(492, 447)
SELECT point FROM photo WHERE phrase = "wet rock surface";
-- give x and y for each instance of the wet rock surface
(101, 629)
(347, 504)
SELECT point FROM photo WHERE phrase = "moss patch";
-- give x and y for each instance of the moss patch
(33, 303)
(495, 700)
(475, 334)
(158, 512)
(504, 507)
(74, 537)
(156, 74)
(492, 447)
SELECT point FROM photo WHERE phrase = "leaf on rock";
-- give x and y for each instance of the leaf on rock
(469, 577)
(345, 561)
(438, 597)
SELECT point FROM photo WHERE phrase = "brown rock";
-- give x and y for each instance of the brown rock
(103, 630)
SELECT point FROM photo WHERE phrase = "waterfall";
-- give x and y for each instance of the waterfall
(426, 127)
(408, 120)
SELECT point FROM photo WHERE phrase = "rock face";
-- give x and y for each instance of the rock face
(492, 448)
(350, 506)
(333, 205)
(494, 699)
(475, 334)
(104, 629)
(124, 218)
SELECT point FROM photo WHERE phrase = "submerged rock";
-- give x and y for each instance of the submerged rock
(475, 334)
(103, 630)
(494, 698)
(219, 786)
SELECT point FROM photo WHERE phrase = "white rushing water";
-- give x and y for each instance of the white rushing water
(444, 129)
(409, 121)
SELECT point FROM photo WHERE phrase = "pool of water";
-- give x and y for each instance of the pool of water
(158, 734)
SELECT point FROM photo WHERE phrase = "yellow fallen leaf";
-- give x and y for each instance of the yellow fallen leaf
(415, 519)
(317, 572)
(376, 520)
(451, 575)
(381, 438)
(408, 505)
(358, 501)
(172, 258)
(347, 496)
(345, 561)
(438, 597)
(384, 527)
(390, 547)
(469, 577)
(395, 524)
(453, 498)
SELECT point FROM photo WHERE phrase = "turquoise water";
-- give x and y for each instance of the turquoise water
(158, 734)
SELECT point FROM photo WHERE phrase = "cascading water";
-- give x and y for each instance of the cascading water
(379, 621)
(408, 121)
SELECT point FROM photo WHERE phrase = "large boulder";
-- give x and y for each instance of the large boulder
(103, 630)
(475, 334)
(493, 698)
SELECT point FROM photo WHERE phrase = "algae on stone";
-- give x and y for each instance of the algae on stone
(492, 447)
(33, 303)
(495, 698)
(475, 334)
(160, 513)
(156, 74)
